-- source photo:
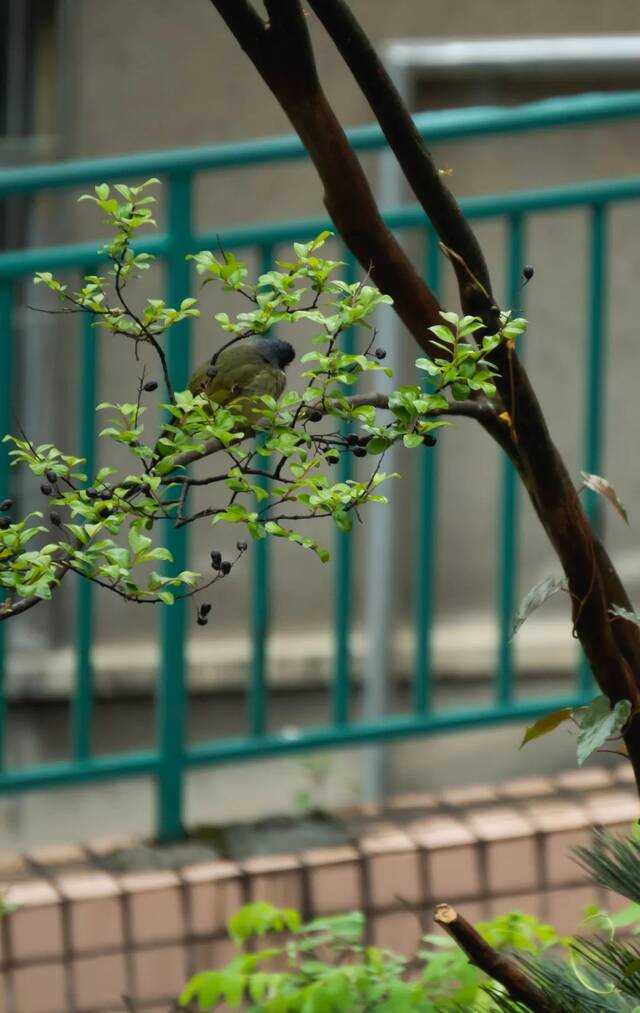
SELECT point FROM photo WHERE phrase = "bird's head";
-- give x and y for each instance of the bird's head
(276, 352)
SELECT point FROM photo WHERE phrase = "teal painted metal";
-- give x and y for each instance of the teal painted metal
(98, 768)
(387, 729)
(172, 756)
(594, 382)
(6, 361)
(82, 707)
(595, 363)
(260, 612)
(171, 697)
(340, 690)
(445, 125)
(426, 540)
(508, 517)
(17, 263)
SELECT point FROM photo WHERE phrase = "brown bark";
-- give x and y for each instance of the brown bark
(498, 966)
(281, 51)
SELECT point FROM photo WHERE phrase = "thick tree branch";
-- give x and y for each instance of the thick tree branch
(412, 154)
(498, 966)
(276, 53)
(613, 654)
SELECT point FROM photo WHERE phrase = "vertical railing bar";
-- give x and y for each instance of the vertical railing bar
(172, 689)
(6, 387)
(82, 709)
(594, 384)
(256, 702)
(344, 561)
(508, 514)
(426, 541)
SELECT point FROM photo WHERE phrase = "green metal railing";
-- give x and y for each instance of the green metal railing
(172, 756)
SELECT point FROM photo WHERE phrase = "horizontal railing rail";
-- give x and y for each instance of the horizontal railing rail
(172, 755)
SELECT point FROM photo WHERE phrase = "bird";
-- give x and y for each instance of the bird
(247, 369)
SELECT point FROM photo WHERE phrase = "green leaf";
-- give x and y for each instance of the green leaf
(546, 724)
(344, 520)
(599, 722)
(412, 440)
(428, 366)
(536, 597)
(205, 987)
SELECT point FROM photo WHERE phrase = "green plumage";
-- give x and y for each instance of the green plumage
(242, 372)
(246, 370)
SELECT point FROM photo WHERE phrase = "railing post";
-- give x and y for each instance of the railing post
(594, 387)
(341, 684)
(508, 515)
(82, 707)
(6, 359)
(260, 610)
(426, 529)
(171, 695)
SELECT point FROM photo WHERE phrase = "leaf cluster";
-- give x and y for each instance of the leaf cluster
(324, 966)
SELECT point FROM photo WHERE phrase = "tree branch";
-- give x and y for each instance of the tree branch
(276, 53)
(498, 966)
(614, 655)
(414, 158)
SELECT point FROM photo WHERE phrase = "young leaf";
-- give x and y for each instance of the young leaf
(599, 722)
(536, 597)
(546, 724)
(600, 485)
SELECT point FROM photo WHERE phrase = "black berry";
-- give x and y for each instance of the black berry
(380, 353)
(205, 608)
(105, 494)
(202, 620)
(364, 441)
(4, 523)
(55, 518)
(92, 492)
(51, 476)
(315, 416)
(429, 440)
(352, 439)
(225, 568)
(216, 559)
(46, 489)
(150, 386)
(360, 452)
(527, 272)
(332, 458)
(241, 546)
(6, 505)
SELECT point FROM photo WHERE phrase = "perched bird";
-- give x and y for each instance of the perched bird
(247, 369)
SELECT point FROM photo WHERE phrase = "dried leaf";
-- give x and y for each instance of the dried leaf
(536, 597)
(599, 722)
(546, 724)
(600, 485)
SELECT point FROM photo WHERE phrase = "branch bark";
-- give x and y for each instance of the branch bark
(281, 52)
(498, 966)
(415, 159)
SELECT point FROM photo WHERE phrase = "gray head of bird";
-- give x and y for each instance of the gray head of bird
(274, 351)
